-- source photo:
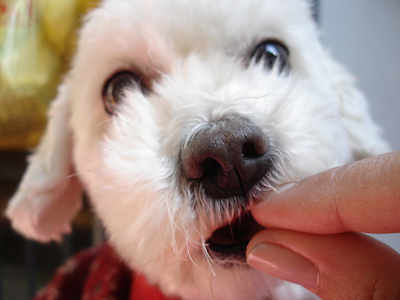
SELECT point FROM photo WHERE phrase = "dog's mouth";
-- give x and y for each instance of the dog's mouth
(230, 241)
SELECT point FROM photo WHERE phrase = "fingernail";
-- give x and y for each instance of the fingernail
(280, 189)
(284, 264)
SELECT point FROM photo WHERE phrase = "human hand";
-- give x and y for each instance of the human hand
(313, 230)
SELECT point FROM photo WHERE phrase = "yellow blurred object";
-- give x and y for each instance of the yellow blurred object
(37, 40)
(22, 119)
(27, 61)
(3, 20)
(59, 20)
(85, 5)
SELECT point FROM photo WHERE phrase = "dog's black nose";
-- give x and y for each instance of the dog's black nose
(227, 159)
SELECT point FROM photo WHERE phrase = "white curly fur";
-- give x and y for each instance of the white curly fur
(196, 54)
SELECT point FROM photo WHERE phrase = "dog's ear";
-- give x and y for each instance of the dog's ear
(49, 194)
(364, 134)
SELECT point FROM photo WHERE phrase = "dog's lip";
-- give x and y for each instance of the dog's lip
(233, 238)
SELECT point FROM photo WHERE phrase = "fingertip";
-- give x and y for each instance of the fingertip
(261, 209)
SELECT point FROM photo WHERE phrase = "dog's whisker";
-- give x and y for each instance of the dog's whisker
(105, 122)
(73, 175)
(174, 227)
(190, 240)
(209, 259)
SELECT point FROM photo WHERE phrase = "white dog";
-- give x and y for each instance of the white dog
(175, 115)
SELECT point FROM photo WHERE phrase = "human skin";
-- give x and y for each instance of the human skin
(313, 234)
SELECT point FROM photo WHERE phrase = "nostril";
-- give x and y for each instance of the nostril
(249, 150)
(210, 167)
(254, 147)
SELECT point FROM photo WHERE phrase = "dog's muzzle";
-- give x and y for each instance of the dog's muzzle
(227, 160)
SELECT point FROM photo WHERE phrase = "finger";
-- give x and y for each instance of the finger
(341, 266)
(363, 196)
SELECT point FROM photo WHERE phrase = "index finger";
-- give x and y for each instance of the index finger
(362, 197)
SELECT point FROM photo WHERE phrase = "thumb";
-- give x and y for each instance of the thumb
(340, 266)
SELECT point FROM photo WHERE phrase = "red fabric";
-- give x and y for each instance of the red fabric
(98, 274)
(141, 290)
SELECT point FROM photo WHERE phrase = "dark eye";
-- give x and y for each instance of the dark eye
(271, 52)
(115, 88)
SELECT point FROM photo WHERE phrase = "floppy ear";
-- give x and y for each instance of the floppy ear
(49, 194)
(365, 135)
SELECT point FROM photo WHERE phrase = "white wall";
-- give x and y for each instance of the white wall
(365, 36)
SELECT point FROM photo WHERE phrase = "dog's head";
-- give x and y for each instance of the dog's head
(174, 117)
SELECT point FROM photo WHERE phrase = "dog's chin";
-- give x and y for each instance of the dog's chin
(227, 244)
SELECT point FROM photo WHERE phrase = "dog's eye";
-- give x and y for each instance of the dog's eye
(115, 88)
(271, 52)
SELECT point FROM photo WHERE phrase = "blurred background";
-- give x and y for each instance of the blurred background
(36, 42)
(364, 35)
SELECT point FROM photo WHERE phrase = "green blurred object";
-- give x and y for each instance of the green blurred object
(37, 40)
